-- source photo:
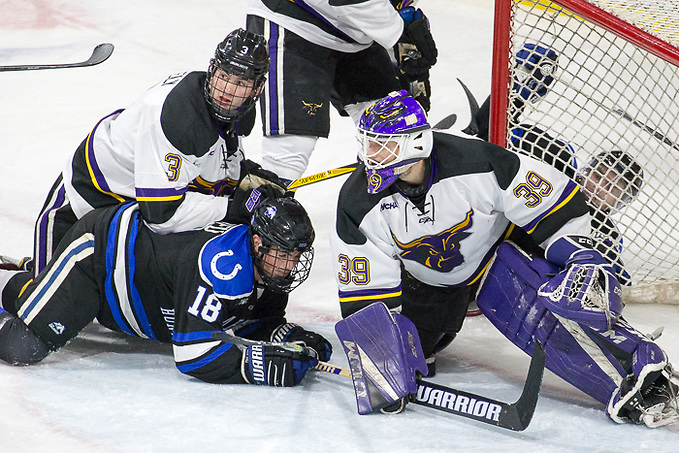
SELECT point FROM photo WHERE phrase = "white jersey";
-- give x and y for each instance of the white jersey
(346, 26)
(447, 235)
(165, 151)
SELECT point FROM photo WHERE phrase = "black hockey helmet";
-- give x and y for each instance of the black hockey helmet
(285, 256)
(628, 175)
(243, 55)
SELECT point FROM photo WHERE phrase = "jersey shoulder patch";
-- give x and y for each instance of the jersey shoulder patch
(226, 265)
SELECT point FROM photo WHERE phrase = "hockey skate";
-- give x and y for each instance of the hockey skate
(655, 404)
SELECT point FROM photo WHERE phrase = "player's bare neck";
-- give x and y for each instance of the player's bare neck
(414, 176)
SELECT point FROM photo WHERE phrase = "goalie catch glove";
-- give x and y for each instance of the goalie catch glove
(277, 365)
(535, 68)
(586, 290)
(289, 332)
(415, 50)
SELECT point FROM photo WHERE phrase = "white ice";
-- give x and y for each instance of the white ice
(105, 392)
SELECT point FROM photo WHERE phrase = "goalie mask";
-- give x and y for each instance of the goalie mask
(281, 238)
(236, 75)
(611, 180)
(393, 134)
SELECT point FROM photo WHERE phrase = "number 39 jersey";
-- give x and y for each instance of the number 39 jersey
(477, 192)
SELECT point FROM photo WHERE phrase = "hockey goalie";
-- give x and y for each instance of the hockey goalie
(587, 342)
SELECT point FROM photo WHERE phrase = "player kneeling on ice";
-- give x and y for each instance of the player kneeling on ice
(187, 289)
(419, 222)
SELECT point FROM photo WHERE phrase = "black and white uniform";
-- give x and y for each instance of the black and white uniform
(178, 288)
(165, 151)
(319, 46)
(403, 243)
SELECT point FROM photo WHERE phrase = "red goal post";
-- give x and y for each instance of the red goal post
(616, 86)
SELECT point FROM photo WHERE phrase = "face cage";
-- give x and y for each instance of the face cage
(605, 185)
(243, 103)
(279, 259)
(390, 157)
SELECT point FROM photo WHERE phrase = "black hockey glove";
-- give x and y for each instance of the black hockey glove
(419, 88)
(278, 365)
(244, 201)
(252, 176)
(416, 50)
(321, 348)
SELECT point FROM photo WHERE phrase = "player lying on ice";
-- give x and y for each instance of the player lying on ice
(183, 288)
(610, 180)
(419, 222)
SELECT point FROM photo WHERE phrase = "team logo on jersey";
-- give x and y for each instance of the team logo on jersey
(57, 327)
(311, 108)
(440, 252)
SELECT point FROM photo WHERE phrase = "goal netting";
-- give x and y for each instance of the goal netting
(615, 87)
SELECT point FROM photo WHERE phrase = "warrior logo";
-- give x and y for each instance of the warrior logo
(440, 252)
(311, 108)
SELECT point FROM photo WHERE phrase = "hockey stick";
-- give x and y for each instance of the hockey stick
(620, 113)
(514, 416)
(99, 55)
(445, 123)
(473, 126)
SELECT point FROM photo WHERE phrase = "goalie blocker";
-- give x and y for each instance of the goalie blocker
(586, 342)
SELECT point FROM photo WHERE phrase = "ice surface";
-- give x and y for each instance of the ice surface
(106, 392)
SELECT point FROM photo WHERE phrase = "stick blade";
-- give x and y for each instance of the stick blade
(100, 54)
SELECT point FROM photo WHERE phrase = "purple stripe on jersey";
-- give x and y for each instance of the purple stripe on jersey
(43, 222)
(146, 193)
(567, 192)
(369, 293)
(273, 79)
(91, 159)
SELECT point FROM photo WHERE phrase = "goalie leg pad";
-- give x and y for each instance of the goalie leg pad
(384, 354)
(508, 298)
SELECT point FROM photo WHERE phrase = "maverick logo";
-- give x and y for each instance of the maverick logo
(440, 252)
(458, 403)
(311, 108)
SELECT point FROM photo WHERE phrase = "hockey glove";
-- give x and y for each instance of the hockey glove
(320, 347)
(586, 290)
(535, 68)
(416, 50)
(244, 201)
(254, 176)
(278, 365)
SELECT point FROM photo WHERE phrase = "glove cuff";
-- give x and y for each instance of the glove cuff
(282, 332)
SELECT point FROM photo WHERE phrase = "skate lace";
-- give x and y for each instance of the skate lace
(660, 405)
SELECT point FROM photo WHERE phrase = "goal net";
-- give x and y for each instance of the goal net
(615, 71)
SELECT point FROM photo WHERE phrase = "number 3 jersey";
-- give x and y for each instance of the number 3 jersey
(445, 235)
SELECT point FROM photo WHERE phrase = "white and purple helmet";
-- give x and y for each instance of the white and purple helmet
(393, 134)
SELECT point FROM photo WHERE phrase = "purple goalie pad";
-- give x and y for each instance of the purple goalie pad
(383, 353)
(590, 361)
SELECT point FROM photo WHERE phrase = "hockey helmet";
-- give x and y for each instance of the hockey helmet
(393, 134)
(236, 74)
(536, 66)
(284, 257)
(611, 180)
